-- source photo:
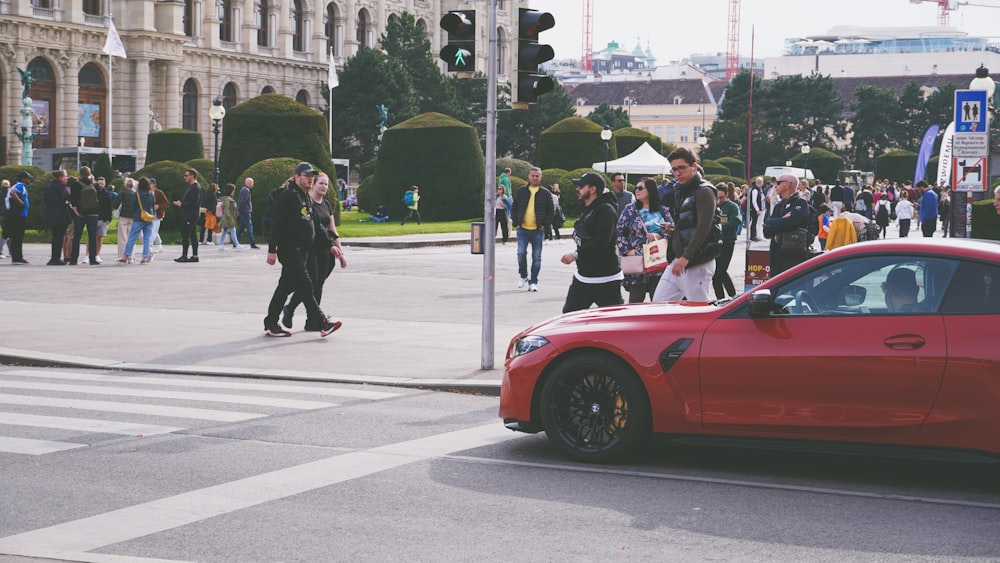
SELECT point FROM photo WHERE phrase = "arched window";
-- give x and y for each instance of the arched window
(330, 28)
(262, 19)
(93, 94)
(189, 105)
(43, 102)
(229, 96)
(302, 97)
(225, 20)
(298, 28)
(267, 90)
(362, 30)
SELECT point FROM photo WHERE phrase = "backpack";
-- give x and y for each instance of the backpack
(408, 198)
(859, 205)
(882, 215)
(269, 210)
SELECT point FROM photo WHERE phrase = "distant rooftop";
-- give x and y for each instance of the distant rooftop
(858, 40)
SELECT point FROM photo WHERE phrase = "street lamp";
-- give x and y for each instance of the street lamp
(805, 152)
(216, 113)
(702, 138)
(606, 137)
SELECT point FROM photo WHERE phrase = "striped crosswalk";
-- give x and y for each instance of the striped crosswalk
(53, 400)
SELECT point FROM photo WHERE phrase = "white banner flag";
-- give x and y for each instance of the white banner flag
(332, 80)
(113, 45)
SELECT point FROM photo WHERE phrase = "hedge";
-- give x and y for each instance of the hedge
(178, 145)
(573, 143)
(169, 178)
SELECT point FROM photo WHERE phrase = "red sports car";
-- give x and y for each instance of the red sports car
(882, 342)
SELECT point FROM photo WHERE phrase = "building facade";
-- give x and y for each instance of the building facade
(182, 54)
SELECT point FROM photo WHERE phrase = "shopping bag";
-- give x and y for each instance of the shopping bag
(654, 256)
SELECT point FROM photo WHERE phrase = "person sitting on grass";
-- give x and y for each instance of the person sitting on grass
(379, 215)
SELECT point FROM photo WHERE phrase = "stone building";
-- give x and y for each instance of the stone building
(182, 54)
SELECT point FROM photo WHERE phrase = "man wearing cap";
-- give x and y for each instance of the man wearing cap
(697, 237)
(190, 212)
(598, 278)
(292, 233)
(533, 211)
(17, 215)
(789, 217)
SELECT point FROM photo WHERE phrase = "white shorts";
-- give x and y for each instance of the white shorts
(102, 228)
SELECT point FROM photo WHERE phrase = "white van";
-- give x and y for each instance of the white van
(775, 171)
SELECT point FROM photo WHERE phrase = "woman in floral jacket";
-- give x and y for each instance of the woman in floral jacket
(639, 223)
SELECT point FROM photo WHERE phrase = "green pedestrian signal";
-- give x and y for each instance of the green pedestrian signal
(460, 52)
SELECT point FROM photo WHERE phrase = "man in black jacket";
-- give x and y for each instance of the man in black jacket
(190, 212)
(532, 211)
(788, 221)
(292, 233)
(598, 277)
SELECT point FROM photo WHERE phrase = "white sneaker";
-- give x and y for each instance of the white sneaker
(522, 283)
(99, 261)
(238, 247)
(533, 287)
(158, 250)
(222, 247)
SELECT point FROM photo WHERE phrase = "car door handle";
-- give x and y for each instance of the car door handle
(905, 342)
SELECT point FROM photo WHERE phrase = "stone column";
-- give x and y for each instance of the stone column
(171, 89)
(350, 32)
(135, 116)
(66, 126)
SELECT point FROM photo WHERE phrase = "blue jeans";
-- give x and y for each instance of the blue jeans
(536, 238)
(147, 235)
(246, 224)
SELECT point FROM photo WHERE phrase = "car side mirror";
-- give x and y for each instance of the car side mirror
(854, 295)
(760, 303)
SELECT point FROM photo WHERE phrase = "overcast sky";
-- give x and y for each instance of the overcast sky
(674, 29)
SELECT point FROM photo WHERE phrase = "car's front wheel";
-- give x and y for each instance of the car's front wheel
(594, 408)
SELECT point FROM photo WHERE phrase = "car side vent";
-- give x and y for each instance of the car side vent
(672, 353)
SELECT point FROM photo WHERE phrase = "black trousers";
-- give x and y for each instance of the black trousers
(189, 237)
(501, 221)
(58, 233)
(13, 227)
(89, 221)
(294, 279)
(583, 295)
(754, 217)
(319, 265)
(721, 280)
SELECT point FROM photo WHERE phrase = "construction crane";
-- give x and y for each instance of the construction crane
(587, 58)
(945, 7)
(733, 40)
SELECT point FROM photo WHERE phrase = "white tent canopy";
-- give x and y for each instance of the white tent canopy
(645, 160)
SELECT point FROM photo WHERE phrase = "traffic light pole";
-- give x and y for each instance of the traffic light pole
(489, 206)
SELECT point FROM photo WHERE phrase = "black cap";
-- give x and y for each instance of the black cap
(305, 168)
(24, 174)
(591, 179)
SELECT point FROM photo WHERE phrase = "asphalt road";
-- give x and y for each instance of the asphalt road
(143, 467)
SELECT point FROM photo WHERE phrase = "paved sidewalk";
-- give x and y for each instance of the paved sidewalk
(411, 305)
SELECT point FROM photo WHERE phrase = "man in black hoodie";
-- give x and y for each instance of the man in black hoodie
(598, 277)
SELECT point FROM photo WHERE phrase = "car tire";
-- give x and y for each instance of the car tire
(594, 408)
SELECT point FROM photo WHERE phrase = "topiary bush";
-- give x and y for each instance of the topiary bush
(441, 155)
(36, 190)
(737, 167)
(518, 167)
(272, 126)
(169, 178)
(896, 165)
(368, 168)
(573, 143)
(824, 164)
(716, 178)
(985, 221)
(628, 139)
(932, 169)
(549, 176)
(103, 168)
(205, 168)
(178, 145)
(270, 174)
(712, 167)
(366, 194)
(567, 197)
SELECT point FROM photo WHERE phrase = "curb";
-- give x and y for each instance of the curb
(473, 386)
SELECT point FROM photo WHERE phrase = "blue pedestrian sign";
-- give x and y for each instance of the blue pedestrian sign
(970, 111)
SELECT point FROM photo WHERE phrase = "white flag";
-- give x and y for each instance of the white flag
(113, 45)
(332, 80)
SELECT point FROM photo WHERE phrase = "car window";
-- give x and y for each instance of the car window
(974, 291)
(871, 285)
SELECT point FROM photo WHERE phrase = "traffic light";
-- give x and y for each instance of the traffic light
(460, 52)
(527, 84)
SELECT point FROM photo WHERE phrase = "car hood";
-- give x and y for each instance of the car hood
(621, 316)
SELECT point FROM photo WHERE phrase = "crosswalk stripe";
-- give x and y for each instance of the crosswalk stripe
(28, 446)
(214, 384)
(85, 424)
(188, 396)
(131, 408)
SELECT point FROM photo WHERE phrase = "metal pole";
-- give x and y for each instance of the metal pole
(215, 162)
(489, 206)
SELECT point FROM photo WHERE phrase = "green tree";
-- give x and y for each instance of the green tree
(616, 118)
(367, 80)
(914, 124)
(939, 107)
(518, 131)
(876, 124)
(801, 110)
(406, 44)
(471, 95)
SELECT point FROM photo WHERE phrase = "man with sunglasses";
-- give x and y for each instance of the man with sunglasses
(598, 278)
(697, 237)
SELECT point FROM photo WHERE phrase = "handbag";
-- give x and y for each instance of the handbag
(218, 210)
(654, 256)
(794, 241)
(633, 265)
(143, 214)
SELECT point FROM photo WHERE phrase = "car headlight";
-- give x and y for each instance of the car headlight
(528, 344)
